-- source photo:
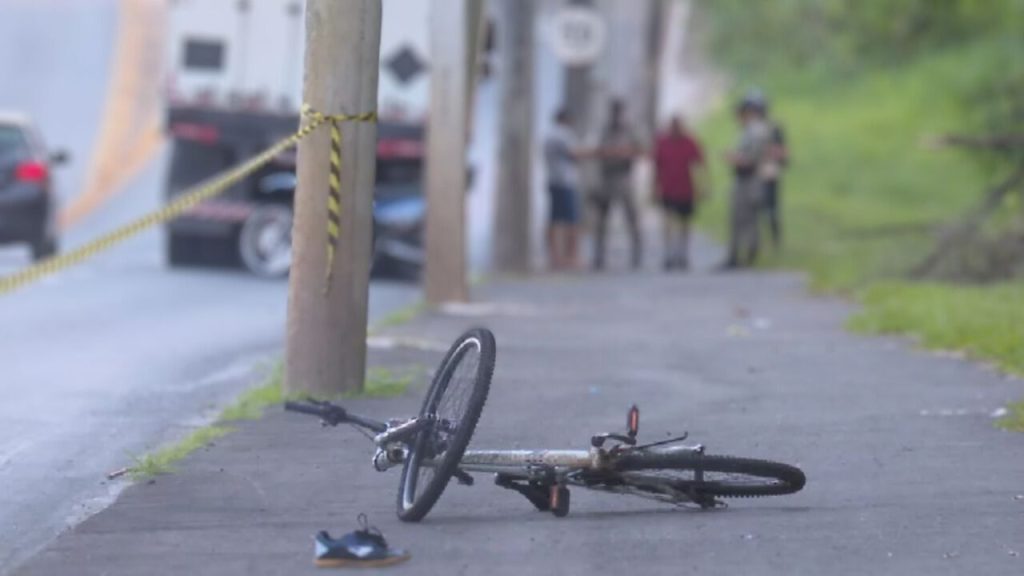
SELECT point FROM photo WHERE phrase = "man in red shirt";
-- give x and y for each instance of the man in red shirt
(677, 161)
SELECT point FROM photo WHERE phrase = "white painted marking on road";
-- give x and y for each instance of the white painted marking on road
(234, 371)
(393, 342)
(951, 412)
(477, 309)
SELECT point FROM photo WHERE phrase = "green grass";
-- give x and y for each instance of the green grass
(864, 195)
(380, 383)
(987, 322)
(863, 192)
(399, 317)
(1014, 420)
(385, 382)
(163, 461)
(251, 404)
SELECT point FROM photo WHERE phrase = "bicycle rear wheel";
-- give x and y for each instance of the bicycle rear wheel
(455, 399)
(701, 476)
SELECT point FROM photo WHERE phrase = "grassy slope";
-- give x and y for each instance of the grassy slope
(861, 189)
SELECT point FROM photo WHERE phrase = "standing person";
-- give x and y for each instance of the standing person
(677, 159)
(561, 156)
(771, 170)
(619, 148)
(748, 188)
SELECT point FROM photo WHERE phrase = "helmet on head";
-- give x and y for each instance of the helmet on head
(755, 100)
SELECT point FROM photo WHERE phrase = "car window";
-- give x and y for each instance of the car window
(13, 145)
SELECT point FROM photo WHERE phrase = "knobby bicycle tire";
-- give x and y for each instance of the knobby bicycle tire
(427, 496)
(725, 476)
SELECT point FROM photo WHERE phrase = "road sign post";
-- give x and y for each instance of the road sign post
(327, 308)
(577, 35)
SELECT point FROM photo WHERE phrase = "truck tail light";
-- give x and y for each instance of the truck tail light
(197, 132)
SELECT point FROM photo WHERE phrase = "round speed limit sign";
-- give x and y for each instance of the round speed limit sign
(577, 35)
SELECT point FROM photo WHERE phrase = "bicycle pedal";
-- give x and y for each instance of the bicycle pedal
(558, 500)
(463, 477)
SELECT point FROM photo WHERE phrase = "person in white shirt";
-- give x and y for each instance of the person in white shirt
(561, 157)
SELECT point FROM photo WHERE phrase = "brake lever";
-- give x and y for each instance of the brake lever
(599, 440)
(663, 442)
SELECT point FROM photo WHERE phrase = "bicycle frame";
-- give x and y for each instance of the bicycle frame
(436, 442)
(392, 438)
(515, 469)
(504, 461)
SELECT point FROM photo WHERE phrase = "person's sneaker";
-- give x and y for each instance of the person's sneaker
(363, 547)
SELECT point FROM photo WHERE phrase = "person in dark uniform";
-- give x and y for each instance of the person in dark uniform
(772, 168)
(746, 161)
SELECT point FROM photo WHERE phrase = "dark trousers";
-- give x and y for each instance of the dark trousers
(745, 234)
(771, 208)
(615, 192)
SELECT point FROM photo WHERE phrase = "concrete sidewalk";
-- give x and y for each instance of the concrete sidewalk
(906, 474)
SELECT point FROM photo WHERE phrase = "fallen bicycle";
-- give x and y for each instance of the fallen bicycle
(431, 449)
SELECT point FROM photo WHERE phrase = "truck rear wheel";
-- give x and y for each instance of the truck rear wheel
(265, 242)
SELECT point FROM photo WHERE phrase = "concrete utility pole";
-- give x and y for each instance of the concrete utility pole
(450, 44)
(326, 351)
(512, 217)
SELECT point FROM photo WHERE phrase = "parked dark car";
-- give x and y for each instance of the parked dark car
(27, 202)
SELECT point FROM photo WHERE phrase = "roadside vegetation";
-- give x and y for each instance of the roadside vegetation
(163, 461)
(380, 383)
(1014, 419)
(869, 93)
(398, 317)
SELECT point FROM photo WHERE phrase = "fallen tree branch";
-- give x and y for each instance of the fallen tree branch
(969, 224)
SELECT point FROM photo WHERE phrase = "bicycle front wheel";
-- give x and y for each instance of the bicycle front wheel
(698, 475)
(455, 400)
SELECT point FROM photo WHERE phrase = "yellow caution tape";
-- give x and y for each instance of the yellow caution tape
(212, 188)
(334, 180)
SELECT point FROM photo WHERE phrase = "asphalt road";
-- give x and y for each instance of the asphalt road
(906, 473)
(109, 359)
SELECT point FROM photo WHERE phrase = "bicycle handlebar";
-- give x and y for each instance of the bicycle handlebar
(334, 415)
(303, 408)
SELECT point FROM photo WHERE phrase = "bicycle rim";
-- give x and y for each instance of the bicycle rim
(455, 399)
(702, 475)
